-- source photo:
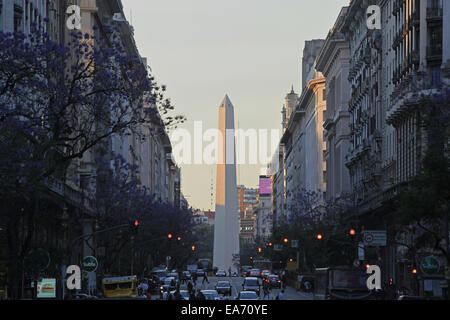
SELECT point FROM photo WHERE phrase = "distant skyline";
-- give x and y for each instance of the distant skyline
(250, 50)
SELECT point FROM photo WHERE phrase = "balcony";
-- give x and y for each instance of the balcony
(415, 18)
(396, 7)
(434, 52)
(434, 14)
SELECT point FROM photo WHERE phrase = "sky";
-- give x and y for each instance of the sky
(249, 49)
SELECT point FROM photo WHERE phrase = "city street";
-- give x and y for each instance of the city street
(236, 283)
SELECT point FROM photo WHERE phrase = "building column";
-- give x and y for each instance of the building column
(446, 33)
(423, 35)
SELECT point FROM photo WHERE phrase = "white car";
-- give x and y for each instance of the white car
(211, 294)
(221, 273)
(247, 295)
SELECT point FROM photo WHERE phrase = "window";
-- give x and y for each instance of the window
(324, 95)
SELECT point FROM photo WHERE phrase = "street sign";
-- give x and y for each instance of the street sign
(430, 265)
(294, 243)
(374, 238)
(90, 264)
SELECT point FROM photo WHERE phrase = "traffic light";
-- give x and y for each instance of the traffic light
(251, 258)
(319, 237)
(259, 250)
(352, 232)
(270, 244)
(367, 266)
(136, 223)
(193, 248)
(290, 260)
(285, 240)
(170, 236)
(414, 271)
(179, 238)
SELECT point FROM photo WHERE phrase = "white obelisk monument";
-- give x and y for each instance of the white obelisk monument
(226, 222)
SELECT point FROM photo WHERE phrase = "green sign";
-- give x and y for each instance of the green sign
(90, 264)
(430, 265)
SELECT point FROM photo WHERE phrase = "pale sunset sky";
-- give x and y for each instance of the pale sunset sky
(248, 49)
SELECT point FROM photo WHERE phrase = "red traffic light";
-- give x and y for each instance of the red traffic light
(193, 248)
(251, 258)
(270, 244)
(169, 236)
(352, 232)
(319, 237)
(290, 260)
(136, 223)
(414, 271)
(286, 240)
(179, 238)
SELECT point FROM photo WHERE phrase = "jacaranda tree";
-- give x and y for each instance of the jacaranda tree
(57, 102)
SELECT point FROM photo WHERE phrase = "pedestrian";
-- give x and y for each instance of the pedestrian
(281, 295)
(200, 295)
(192, 295)
(143, 286)
(205, 277)
(229, 271)
(194, 278)
(189, 286)
(178, 295)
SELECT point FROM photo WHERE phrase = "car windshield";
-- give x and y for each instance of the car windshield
(210, 295)
(248, 295)
(223, 284)
(251, 282)
(273, 277)
(168, 280)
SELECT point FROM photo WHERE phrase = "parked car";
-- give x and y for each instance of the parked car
(221, 273)
(252, 284)
(247, 295)
(224, 287)
(211, 294)
(274, 281)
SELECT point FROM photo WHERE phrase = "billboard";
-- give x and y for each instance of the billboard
(46, 288)
(265, 186)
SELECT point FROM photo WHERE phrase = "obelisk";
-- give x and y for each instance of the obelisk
(226, 222)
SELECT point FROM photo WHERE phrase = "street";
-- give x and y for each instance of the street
(236, 283)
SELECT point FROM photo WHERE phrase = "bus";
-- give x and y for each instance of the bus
(120, 287)
(205, 264)
(341, 283)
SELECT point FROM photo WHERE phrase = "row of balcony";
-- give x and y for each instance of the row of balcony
(357, 92)
(398, 4)
(435, 13)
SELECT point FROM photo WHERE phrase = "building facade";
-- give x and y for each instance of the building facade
(333, 62)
